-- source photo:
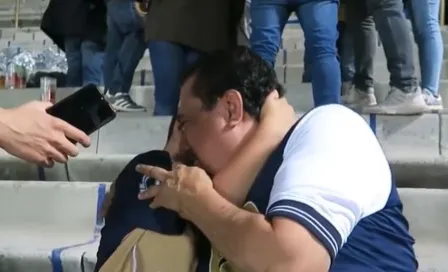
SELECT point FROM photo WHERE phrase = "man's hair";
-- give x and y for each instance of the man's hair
(239, 69)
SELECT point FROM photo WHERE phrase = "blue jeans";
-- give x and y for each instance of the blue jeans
(125, 46)
(318, 19)
(344, 47)
(424, 16)
(84, 61)
(169, 61)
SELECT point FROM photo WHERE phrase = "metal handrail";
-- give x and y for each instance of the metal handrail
(16, 15)
(442, 12)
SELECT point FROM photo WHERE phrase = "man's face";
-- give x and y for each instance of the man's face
(213, 135)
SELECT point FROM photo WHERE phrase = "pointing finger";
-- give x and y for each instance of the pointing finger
(157, 173)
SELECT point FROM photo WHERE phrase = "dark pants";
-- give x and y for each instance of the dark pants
(318, 19)
(362, 27)
(125, 46)
(84, 61)
(168, 61)
(390, 21)
(346, 54)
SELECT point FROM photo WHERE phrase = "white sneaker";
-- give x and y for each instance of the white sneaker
(123, 102)
(433, 102)
(358, 98)
(399, 102)
(345, 88)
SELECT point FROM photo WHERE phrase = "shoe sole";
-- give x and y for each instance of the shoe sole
(434, 108)
(120, 109)
(397, 111)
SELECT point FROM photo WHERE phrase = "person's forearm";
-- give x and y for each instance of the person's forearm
(3, 127)
(244, 238)
(236, 179)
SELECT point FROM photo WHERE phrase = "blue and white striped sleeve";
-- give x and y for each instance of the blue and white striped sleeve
(333, 174)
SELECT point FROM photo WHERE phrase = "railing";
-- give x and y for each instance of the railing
(442, 15)
(17, 14)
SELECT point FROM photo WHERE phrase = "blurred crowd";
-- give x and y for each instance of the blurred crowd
(104, 41)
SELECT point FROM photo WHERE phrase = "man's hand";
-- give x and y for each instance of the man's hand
(31, 134)
(177, 187)
(276, 117)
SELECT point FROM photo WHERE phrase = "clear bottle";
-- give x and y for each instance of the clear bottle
(10, 77)
(2, 79)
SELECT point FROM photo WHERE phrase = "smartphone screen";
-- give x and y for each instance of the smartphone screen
(86, 109)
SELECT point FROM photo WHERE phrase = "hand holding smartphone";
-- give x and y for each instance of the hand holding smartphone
(86, 109)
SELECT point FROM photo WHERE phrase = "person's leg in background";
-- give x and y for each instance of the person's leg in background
(168, 61)
(268, 21)
(307, 68)
(405, 96)
(74, 62)
(425, 24)
(346, 58)
(345, 49)
(113, 46)
(127, 53)
(362, 28)
(92, 63)
(319, 22)
(244, 28)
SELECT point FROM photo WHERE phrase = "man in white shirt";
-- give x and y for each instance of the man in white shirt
(324, 200)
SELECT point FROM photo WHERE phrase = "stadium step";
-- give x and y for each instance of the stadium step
(416, 146)
(299, 95)
(290, 74)
(53, 226)
(48, 226)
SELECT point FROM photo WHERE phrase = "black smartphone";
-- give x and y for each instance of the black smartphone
(86, 109)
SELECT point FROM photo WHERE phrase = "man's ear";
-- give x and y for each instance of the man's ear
(233, 103)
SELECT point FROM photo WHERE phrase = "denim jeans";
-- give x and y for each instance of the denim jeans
(84, 61)
(393, 31)
(346, 55)
(424, 15)
(362, 28)
(125, 46)
(169, 61)
(318, 19)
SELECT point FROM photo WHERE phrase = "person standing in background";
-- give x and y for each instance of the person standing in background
(360, 91)
(424, 15)
(78, 27)
(178, 32)
(405, 95)
(124, 49)
(318, 19)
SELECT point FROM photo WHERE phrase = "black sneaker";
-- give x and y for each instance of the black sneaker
(124, 102)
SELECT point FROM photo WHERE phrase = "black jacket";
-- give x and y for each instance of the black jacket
(204, 25)
(127, 212)
(84, 19)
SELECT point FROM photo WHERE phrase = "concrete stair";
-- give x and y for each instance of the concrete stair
(299, 94)
(53, 226)
(425, 165)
